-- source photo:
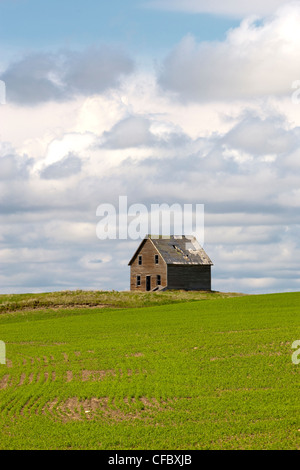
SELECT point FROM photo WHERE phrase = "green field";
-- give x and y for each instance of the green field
(182, 371)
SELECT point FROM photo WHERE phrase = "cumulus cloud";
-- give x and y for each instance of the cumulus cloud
(255, 60)
(139, 131)
(267, 138)
(42, 77)
(241, 160)
(33, 79)
(68, 166)
(249, 230)
(14, 167)
(232, 8)
(133, 131)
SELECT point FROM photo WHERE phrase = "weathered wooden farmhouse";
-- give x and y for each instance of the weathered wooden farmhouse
(170, 263)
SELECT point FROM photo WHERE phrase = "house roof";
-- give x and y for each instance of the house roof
(183, 250)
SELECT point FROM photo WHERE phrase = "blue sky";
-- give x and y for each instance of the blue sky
(161, 101)
(37, 25)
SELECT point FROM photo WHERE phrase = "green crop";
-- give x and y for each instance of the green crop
(213, 374)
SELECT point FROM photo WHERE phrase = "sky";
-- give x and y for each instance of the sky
(162, 102)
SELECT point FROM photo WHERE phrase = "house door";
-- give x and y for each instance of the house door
(148, 283)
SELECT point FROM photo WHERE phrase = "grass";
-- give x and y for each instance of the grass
(79, 298)
(180, 374)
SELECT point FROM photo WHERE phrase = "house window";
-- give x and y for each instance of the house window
(156, 259)
(158, 280)
(140, 260)
(138, 281)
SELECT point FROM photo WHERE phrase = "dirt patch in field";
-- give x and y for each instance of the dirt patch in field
(138, 354)
(24, 308)
(22, 379)
(73, 409)
(4, 382)
(69, 376)
(96, 375)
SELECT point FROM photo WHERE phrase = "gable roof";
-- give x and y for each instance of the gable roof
(183, 250)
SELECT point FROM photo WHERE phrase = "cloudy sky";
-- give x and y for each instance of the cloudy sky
(161, 101)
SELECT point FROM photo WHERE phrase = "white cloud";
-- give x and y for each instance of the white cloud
(42, 77)
(240, 159)
(91, 261)
(130, 132)
(71, 142)
(255, 60)
(232, 8)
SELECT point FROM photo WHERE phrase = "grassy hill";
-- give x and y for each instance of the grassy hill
(100, 299)
(182, 371)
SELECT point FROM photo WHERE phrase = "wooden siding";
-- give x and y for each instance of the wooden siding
(148, 268)
(189, 277)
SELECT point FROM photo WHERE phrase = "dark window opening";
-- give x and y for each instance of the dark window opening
(138, 281)
(158, 280)
(140, 260)
(156, 259)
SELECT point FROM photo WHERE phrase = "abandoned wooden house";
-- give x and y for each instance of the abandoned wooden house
(170, 263)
